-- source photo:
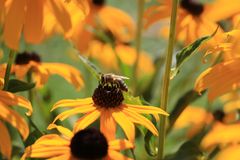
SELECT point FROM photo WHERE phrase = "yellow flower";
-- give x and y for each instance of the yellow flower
(219, 79)
(37, 19)
(112, 21)
(7, 114)
(85, 144)
(26, 62)
(231, 152)
(221, 134)
(107, 104)
(127, 54)
(195, 118)
(195, 20)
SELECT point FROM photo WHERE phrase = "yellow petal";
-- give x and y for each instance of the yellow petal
(52, 140)
(62, 157)
(72, 103)
(13, 26)
(66, 132)
(12, 99)
(146, 109)
(33, 27)
(82, 109)
(69, 73)
(216, 12)
(86, 120)
(120, 144)
(14, 119)
(5, 141)
(219, 79)
(114, 155)
(231, 152)
(107, 125)
(221, 134)
(139, 119)
(127, 126)
(61, 14)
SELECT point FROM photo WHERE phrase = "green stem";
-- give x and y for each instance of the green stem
(138, 41)
(8, 69)
(30, 92)
(30, 98)
(166, 79)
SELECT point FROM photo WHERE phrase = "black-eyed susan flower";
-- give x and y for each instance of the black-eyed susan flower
(112, 21)
(41, 71)
(107, 104)
(85, 144)
(195, 19)
(127, 54)
(10, 116)
(38, 19)
(219, 79)
(194, 118)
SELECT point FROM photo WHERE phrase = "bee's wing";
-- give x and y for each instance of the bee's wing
(121, 77)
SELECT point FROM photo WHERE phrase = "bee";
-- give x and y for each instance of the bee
(113, 79)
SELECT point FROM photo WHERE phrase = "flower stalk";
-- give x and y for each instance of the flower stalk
(8, 69)
(166, 79)
(138, 40)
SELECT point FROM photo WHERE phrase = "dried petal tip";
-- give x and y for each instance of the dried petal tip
(89, 144)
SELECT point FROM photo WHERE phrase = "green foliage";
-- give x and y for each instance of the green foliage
(189, 150)
(15, 85)
(187, 52)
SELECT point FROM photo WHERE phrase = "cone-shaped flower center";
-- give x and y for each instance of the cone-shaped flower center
(219, 115)
(192, 6)
(107, 96)
(89, 144)
(25, 58)
(98, 2)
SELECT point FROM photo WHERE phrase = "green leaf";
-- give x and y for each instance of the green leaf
(91, 67)
(190, 150)
(129, 99)
(149, 142)
(15, 85)
(187, 52)
(33, 136)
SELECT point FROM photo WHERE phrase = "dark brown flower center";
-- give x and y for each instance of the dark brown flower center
(98, 2)
(192, 6)
(25, 58)
(219, 115)
(89, 144)
(107, 96)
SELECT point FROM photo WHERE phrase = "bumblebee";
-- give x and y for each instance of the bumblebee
(114, 80)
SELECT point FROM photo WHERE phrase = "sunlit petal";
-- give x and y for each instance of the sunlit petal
(66, 132)
(72, 103)
(146, 109)
(114, 155)
(86, 120)
(125, 123)
(221, 134)
(14, 100)
(5, 141)
(81, 109)
(13, 26)
(120, 144)
(14, 119)
(107, 124)
(34, 21)
(139, 119)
